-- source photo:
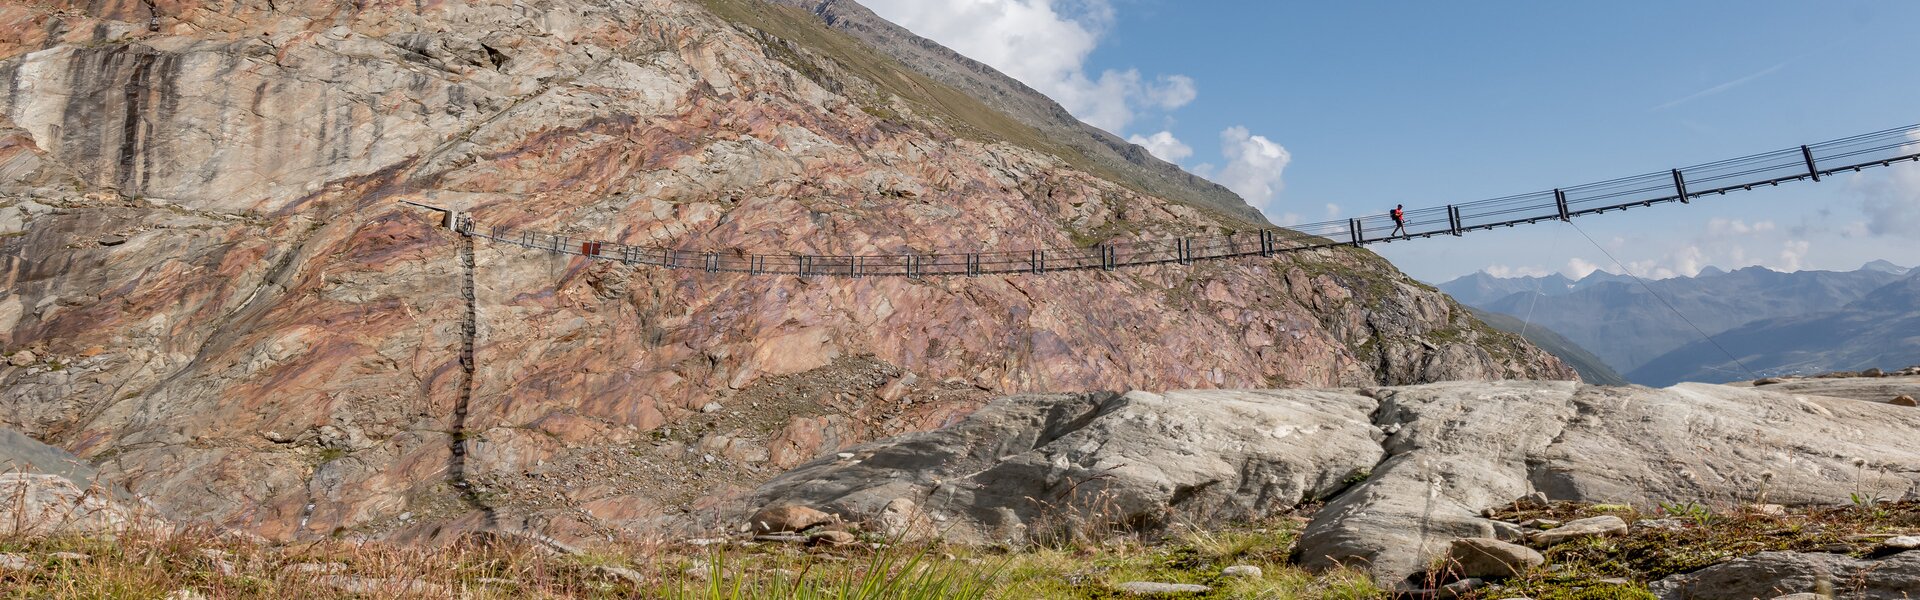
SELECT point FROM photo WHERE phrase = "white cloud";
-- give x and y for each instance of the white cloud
(1891, 200)
(1164, 145)
(1506, 272)
(1720, 226)
(1044, 44)
(1794, 256)
(1287, 220)
(1579, 269)
(1254, 166)
(1333, 211)
(1172, 92)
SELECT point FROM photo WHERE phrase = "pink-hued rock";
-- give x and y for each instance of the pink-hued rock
(253, 156)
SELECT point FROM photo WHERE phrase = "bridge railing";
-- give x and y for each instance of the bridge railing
(1812, 161)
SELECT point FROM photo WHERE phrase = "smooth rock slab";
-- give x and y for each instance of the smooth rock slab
(1600, 526)
(1774, 574)
(1149, 588)
(1491, 559)
(1246, 571)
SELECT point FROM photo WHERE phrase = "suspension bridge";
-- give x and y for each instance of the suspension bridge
(1808, 162)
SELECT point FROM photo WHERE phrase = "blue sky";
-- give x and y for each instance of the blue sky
(1319, 109)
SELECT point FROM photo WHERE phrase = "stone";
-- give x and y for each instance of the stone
(1284, 447)
(1771, 510)
(1768, 381)
(1149, 588)
(1540, 523)
(788, 518)
(710, 408)
(1457, 589)
(1491, 559)
(1802, 596)
(23, 358)
(1533, 501)
(902, 520)
(1873, 372)
(43, 504)
(1772, 574)
(113, 240)
(1604, 525)
(832, 539)
(14, 562)
(69, 556)
(1904, 542)
(1907, 401)
(1242, 572)
(613, 573)
(898, 388)
(185, 594)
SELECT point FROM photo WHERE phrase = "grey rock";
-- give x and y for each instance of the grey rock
(69, 556)
(1604, 525)
(613, 573)
(1802, 596)
(787, 518)
(710, 408)
(1534, 500)
(14, 562)
(185, 594)
(22, 358)
(832, 539)
(1491, 559)
(1460, 588)
(1540, 523)
(1773, 574)
(1149, 588)
(1242, 571)
(1904, 542)
(113, 240)
(1032, 466)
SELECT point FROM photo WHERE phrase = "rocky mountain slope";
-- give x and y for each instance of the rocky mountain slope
(1617, 320)
(1084, 145)
(1881, 330)
(1591, 368)
(210, 289)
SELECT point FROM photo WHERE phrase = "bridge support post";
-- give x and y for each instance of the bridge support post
(1354, 233)
(1680, 183)
(973, 265)
(1560, 198)
(1453, 219)
(1107, 258)
(1812, 169)
(1266, 242)
(1038, 262)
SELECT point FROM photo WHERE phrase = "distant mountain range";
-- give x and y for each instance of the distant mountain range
(1880, 330)
(1615, 318)
(1592, 369)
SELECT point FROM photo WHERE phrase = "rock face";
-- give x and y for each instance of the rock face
(1102, 151)
(1773, 574)
(1038, 467)
(277, 344)
(1408, 469)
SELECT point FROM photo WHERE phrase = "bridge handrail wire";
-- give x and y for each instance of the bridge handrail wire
(1812, 161)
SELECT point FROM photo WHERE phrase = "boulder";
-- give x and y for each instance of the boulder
(1774, 574)
(1604, 525)
(1031, 466)
(1904, 401)
(1491, 559)
(22, 358)
(1242, 571)
(43, 504)
(1435, 455)
(1149, 588)
(787, 518)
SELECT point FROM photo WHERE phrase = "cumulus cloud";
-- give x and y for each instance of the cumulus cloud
(1164, 145)
(1506, 272)
(1044, 44)
(1719, 226)
(1578, 269)
(1254, 166)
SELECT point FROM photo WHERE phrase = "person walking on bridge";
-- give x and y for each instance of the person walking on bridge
(1399, 220)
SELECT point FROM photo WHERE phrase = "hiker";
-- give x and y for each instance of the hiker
(1399, 220)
